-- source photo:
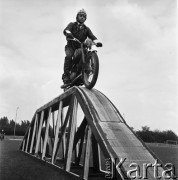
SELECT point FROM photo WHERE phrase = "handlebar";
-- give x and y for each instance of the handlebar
(75, 39)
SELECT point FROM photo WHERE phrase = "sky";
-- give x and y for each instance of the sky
(138, 60)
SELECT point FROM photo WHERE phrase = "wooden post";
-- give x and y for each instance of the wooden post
(34, 131)
(79, 135)
(70, 141)
(95, 150)
(87, 154)
(37, 127)
(57, 130)
(53, 123)
(39, 132)
(28, 139)
(76, 146)
(64, 137)
(46, 134)
(63, 128)
(41, 145)
(23, 146)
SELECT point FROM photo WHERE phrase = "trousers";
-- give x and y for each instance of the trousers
(70, 52)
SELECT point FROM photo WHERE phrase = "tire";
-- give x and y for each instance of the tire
(91, 67)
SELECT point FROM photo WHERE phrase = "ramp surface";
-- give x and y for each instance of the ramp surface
(119, 140)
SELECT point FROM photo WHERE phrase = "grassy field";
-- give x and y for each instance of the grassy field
(15, 165)
(166, 153)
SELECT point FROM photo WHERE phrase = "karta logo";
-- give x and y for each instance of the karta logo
(137, 172)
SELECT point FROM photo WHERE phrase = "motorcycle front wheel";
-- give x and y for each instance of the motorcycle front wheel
(90, 70)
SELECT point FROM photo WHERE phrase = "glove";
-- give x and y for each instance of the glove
(69, 35)
(99, 44)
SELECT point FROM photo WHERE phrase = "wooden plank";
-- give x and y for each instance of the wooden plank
(63, 137)
(41, 145)
(57, 130)
(23, 145)
(102, 106)
(46, 134)
(53, 123)
(63, 97)
(26, 133)
(72, 126)
(114, 107)
(34, 131)
(28, 139)
(78, 136)
(96, 165)
(87, 154)
(77, 161)
(76, 148)
(37, 127)
(63, 128)
(39, 132)
(80, 132)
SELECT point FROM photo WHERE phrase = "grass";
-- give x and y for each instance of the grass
(15, 165)
(168, 154)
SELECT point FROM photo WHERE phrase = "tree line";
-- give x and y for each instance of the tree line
(156, 136)
(145, 133)
(7, 126)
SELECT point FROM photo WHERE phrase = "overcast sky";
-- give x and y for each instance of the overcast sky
(138, 62)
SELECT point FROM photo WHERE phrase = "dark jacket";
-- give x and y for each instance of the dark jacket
(81, 32)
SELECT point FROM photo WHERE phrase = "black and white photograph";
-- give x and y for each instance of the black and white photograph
(88, 89)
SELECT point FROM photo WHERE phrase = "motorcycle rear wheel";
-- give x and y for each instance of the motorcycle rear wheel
(90, 70)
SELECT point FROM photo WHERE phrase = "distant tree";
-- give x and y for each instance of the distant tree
(145, 128)
(156, 136)
(8, 126)
(4, 124)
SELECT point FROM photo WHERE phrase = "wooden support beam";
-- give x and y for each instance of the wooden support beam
(77, 162)
(57, 130)
(23, 145)
(63, 128)
(46, 133)
(71, 131)
(64, 137)
(34, 131)
(26, 149)
(37, 127)
(64, 97)
(80, 132)
(87, 154)
(39, 132)
(41, 145)
(53, 117)
(96, 163)
(76, 148)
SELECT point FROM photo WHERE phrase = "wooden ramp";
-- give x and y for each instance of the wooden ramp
(83, 134)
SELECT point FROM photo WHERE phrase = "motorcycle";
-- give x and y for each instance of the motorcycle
(85, 71)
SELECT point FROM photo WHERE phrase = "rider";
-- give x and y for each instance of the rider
(80, 31)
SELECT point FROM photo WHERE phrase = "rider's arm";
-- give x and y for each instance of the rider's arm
(93, 38)
(69, 28)
(90, 34)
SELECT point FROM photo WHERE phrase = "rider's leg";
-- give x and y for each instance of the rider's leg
(78, 55)
(67, 64)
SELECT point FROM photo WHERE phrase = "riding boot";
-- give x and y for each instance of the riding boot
(66, 78)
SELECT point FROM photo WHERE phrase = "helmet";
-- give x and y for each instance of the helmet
(82, 12)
